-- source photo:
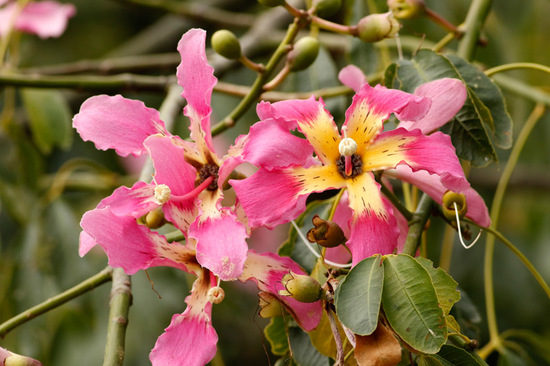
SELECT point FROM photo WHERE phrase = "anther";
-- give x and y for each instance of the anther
(215, 295)
(347, 148)
(162, 193)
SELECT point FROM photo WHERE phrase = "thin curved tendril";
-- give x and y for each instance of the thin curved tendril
(460, 232)
(310, 247)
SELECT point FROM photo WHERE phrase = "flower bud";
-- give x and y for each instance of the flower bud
(407, 9)
(376, 27)
(215, 295)
(448, 207)
(225, 43)
(326, 233)
(154, 218)
(269, 305)
(303, 54)
(272, 3)
(300, 287)
(8, 358)
(326, 8)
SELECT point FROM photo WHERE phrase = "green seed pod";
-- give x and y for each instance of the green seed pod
(326, 8)
(407, 9)
(270, 306)
(301, 288)
(303, 54)
(226, 44)
(272, 3)
(448, 207)
(326, 233)
(376, 27)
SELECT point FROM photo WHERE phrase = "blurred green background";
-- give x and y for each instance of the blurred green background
(41, 207)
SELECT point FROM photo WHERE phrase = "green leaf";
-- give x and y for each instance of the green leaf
(459, 356)
(322, 338)
(275, 332)
(432, 360)
(491, 96)
(303, 351)
(50, 118)
(411, 305)
(358, 296)
(444, 284)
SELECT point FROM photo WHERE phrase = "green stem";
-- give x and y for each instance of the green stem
(90, 82)
(522, 89)
(257, 88)
(479, 9)
(121, 299)
(517, 65)
(417, 225)
(495, 212)
(83, 287)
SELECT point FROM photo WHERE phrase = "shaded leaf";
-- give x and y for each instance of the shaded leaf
(444, 284)
(323, 340)
(410, 303)
(50, 118)
(303, 351)
(358, 296)
(381, 348)
(275, 332)
(459, 356)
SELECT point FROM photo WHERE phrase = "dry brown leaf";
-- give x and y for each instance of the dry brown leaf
(380, 348)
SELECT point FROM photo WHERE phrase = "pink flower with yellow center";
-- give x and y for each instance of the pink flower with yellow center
(290, 168)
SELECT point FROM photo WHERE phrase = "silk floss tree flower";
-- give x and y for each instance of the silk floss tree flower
(291, 168)
(44, 18)
(186, 191)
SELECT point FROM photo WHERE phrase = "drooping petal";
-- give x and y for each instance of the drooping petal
(86, 243)
(197, 78)
(271, 198)
(353, 77)
(132, 246)
(221, 243)
(435, 186)
(134, 202)
(270, 145)
(190, 339)
(44, 18)
(447, 96)
(373, 226)
(372, 106)
(117, 123)
(267, 270)
(312, 120)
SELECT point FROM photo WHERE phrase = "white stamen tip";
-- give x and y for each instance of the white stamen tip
(215, 295)
(162, 193)
(347, 146)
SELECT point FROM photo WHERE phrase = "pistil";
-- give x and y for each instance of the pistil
(195, 192)
(347, 148)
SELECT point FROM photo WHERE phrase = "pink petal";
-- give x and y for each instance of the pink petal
(44, 18)
(129, 245)
(267, 270)
(117, 123)
(353, 77)
(447, 96)
(435, 186)
(87, 242)
(190, 339)
(270, 145)
(221, 244)
(134, 202)
(197, 78)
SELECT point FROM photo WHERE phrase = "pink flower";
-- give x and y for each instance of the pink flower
(288, 172)
(129, 127)
(44, 18)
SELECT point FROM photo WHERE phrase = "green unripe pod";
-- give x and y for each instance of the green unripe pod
(270, 306)
(272, 3)
(226, 44)
(376, 27)
(303, 54)
(448, 207)
(326, 8)
(407, 9)
(301, 288)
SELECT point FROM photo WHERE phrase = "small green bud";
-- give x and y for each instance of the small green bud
(326, 8)
(8, 358)
(326, 233)
(155, 218)
(448, 207)
(300, 287)
(407, 9)
(376, 27)
(270, 306)
(225, 43)
(303, 54)
(272, 3)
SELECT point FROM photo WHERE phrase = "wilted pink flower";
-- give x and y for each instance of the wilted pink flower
(289, 172)
(44, 18)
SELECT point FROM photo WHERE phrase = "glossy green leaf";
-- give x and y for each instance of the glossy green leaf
(275, 333)
(303, 351)
(358, 296)
(411, 305)
(444, 284)
(432, 360)
(460, 357)
(49, 117)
